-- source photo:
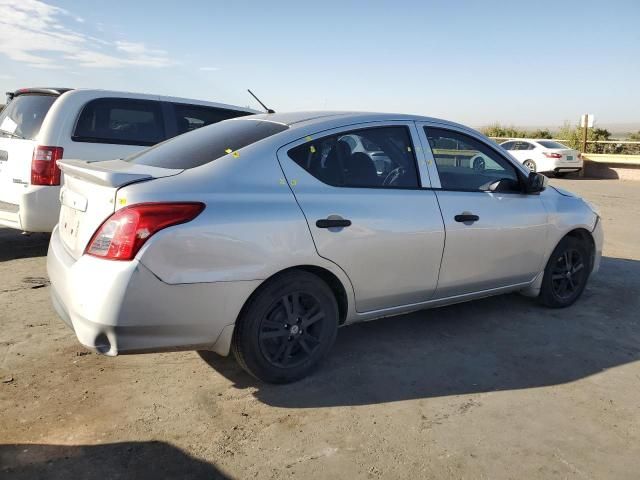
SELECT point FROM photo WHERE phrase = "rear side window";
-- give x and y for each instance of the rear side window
(508, 145)
(380, 157)
(549, 144)
(120, 121)
(191, 117)
(23, 116)
(207, 144)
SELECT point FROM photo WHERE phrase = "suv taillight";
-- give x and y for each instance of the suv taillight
(122, 235)
(44, 169)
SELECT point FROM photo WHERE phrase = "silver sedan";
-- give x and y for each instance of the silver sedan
(262, 235)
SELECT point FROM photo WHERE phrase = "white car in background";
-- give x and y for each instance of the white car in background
(40, 126)
(544, 155)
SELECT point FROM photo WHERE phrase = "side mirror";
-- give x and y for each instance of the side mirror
(535, 183)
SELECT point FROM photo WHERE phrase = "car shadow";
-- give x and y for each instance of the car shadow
(500, 343)
(15, 245)
(139, 460)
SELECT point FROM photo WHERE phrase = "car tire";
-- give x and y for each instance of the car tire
(530, 164)
(286, 328)
(566, 273)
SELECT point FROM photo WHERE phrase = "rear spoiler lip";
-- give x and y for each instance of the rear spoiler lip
(100, 173)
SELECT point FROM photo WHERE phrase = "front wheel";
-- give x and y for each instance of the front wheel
(287, 328)
(530, 164)
(566, 273)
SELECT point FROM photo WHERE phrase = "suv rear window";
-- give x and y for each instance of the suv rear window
(120, 121)
(190, 117)
(23, 116)
(207, 144)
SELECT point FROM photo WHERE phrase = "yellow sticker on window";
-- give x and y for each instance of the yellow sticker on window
(228, 150)
(408, 149)
(236, 154)
(312, 149)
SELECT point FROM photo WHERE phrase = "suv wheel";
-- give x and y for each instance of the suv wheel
(287, 328)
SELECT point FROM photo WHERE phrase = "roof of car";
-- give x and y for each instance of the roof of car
(295, 119)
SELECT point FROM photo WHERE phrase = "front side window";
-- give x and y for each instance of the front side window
(120, 121)
(464, 163)
(190, 117)
(380, 157)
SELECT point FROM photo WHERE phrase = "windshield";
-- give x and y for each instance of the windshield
(546, 144)
(206, 144)
(23, 116)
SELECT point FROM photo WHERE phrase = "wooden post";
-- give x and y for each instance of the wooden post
(585, 119)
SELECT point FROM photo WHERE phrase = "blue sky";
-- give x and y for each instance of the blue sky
(522, 63)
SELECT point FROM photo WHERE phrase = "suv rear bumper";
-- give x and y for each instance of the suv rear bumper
(37, 209)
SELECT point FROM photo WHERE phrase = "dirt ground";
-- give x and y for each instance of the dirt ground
(498, 388)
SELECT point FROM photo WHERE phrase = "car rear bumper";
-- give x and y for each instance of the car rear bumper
(122, 307)
(37, 209)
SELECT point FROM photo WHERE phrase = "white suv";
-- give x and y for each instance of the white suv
(42, 125)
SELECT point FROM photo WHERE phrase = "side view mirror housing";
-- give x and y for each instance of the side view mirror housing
(535, 183)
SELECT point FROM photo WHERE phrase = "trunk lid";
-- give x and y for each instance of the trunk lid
(88, 196)
(568, 155)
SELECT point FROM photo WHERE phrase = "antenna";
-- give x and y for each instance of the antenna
(263, 105)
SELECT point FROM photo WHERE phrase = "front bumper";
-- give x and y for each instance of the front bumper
(598, 240)
(122, 307)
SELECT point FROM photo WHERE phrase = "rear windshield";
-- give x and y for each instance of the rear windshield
(23, 116)
(206, 144)
(547, 144)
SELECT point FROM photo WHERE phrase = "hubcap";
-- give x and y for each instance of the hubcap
(530, 166)
(291, 330)
(568, 274)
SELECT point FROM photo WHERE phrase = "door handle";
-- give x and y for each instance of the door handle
(466, 217)
(333, 222)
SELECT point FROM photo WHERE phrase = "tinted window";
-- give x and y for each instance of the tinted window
(548, 144)
(190, 117)
(24, 115)
(206, 144)
(373, 157)
(508, 145)
(465, 163)
(120, 121)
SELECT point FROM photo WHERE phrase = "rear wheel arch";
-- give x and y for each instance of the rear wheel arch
(329, 278)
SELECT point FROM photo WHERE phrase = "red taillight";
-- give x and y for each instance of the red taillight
(44, 167)
(552, 155)
(122, 235)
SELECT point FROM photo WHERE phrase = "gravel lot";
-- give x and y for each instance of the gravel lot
(498, 388)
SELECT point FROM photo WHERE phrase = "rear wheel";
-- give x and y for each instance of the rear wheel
(530, 164)
(287, 328)
(566, 273)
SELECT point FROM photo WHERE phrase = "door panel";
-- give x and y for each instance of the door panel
(505, 244)
(392, 249)
(503, 247)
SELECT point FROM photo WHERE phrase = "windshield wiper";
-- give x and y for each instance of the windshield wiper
(11, 134)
